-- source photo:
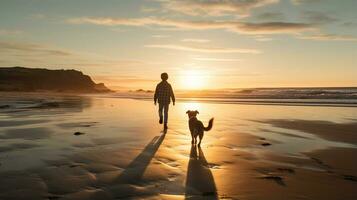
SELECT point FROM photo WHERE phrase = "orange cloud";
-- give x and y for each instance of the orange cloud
(329, 37)
(195, 40)
(203, 49)
(214, 7)
(14, 47)
(236, 26)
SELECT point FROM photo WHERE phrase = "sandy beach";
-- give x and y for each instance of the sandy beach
(120, 151)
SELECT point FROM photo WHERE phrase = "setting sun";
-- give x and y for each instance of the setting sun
(193, 79)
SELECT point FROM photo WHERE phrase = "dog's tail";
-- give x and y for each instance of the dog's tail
(210, 125)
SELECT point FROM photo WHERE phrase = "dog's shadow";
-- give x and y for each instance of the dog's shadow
(199, 181)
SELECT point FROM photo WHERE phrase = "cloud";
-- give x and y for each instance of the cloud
(21, 53)
(148, 9)
(30, 48)
(214, 7)
(274, 27)
(96, 63)
(349, 24)
(203, 49)
(160, 36)
(217, 59)
(38, 16)
(263, 39)
(33, 54)
(318, 17)
(329, 37)
(9, 32)
(235, 26)
(270, 16)
(297, 2)
(195, 40)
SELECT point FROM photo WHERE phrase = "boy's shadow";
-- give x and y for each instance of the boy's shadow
(199, 181)
(135, 170)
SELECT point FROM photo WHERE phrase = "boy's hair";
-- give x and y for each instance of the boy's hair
(164, 76)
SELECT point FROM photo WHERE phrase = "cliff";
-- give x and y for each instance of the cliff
(36, 79)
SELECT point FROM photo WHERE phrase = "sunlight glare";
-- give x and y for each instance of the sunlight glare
(191, 106)
(193, 79)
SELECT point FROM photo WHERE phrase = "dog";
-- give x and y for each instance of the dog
(196, 126)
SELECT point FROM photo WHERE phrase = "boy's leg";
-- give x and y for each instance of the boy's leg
(166, 113)
(161, 106)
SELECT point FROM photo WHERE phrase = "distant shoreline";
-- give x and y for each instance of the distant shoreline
(277, 102)
(247, 100)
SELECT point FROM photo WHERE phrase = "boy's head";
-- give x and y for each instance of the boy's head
(164, 76)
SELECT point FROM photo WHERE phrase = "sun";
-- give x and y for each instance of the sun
(193, 79)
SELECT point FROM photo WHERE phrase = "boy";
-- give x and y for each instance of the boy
(163, 94)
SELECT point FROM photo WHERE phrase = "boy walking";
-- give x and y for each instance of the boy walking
(163, 94)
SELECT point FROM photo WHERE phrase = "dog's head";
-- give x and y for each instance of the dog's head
(192, 113)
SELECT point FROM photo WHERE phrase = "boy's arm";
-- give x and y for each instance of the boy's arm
(155, 95)
(172, 95)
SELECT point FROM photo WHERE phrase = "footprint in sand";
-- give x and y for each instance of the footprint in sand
(213, 166)
(288, 170)
(228, 162)
(169, 162)
(231, 147)
(275, 175)
(172, 177)
(278, 179)
(350, 178)
(173, 164)
(265, 144)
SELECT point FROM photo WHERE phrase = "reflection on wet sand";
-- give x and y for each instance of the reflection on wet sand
(40, 156)
(199, 182)
(39, 104)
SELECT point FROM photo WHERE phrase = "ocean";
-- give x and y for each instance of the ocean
(271, 96)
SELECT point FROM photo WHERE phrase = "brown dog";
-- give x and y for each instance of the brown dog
(196, 126)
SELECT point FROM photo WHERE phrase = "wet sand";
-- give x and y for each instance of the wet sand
(344, 132)
(252, 152)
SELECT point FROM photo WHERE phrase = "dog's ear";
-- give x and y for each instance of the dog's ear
(197, 112)
(188, 111)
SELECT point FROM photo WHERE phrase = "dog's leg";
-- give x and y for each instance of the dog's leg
(192, 139)
(200, 136)
(195, 136)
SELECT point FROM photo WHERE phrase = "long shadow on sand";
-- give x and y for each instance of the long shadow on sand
(135, 170)
(200, 182)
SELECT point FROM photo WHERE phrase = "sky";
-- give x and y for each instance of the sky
(201, 44)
